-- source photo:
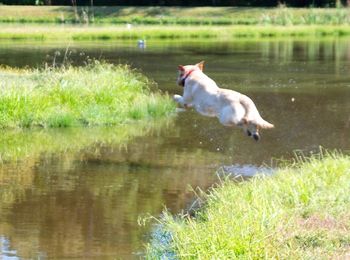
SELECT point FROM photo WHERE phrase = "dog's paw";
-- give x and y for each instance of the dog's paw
(177, 98)
(256, 137)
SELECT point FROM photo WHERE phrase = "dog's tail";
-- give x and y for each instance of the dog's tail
(264, 124)
(252, 114)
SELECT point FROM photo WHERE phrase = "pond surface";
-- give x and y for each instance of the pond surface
(80, 193)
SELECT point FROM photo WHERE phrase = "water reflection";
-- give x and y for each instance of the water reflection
(5, 249)
(79, 192)
(28, 144)
(82, 197)
(36, 53)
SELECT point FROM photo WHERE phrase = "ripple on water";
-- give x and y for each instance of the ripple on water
(245, 170)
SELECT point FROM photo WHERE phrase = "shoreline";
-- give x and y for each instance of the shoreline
(299, 211)
(169, 33)
(160, 15)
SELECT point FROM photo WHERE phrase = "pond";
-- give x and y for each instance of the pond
(82, 192)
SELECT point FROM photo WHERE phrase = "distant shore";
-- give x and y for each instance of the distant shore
(174, 15)
(169, 23)
(160, 33)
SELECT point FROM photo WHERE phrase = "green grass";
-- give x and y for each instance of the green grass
(302, 212)
(167, 23)
(175, 15)
(178, 33)
(97, 94)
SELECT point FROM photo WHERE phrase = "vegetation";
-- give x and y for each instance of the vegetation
(149, 23)
(171, 33)
(98, 94)
(294, 3)
(302, 212)
(175, 15)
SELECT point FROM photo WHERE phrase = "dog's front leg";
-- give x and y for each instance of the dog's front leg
(182, 101)
(179, 99)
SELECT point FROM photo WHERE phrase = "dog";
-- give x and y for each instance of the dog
(230, 107)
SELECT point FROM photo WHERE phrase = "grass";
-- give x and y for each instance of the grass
(167, 23)
(175, 15)
(302, 212)
(48, 33)
(97, 94)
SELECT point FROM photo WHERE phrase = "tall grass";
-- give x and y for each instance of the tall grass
(97, 94)
(300, 213)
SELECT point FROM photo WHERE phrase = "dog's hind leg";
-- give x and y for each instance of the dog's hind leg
(253, 130)
(244, 124)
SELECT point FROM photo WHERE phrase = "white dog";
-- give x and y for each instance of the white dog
(231, 107)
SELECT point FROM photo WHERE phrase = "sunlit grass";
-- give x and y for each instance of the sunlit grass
(47, 33)
(300, 212)
(97, 94)
(175, 15)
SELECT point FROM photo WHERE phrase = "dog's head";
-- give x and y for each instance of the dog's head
(185, 71)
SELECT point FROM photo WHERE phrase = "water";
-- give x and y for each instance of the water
(83, 192)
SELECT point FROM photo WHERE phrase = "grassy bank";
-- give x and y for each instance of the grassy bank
(159, 23)
(175, 15)
(300, 213)
(47, 33)
(98, 94)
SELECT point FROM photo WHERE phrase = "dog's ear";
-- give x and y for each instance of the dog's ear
(181, 68)
(200, 65)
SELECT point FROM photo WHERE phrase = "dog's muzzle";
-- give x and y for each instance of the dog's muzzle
(184, 77)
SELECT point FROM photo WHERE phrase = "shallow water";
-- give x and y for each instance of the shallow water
(83, 192)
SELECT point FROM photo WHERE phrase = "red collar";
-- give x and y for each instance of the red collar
(182, 82)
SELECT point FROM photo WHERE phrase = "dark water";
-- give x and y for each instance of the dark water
(82, 193)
